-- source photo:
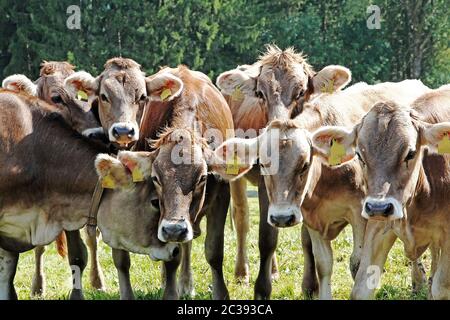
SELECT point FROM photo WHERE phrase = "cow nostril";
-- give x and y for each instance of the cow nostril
(272, 219)
(115, 132)
(389, 210)
(175, 252)
(368, 208)
(291, 219)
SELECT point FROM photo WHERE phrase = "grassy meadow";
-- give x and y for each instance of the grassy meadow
(146, 279)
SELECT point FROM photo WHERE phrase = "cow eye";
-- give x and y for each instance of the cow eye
(304, 168)
(57, 99)
(155, 203)
(202, 179)
(155, 180)
(259, 94)
(411, 155)
(360, 158)
(300, 94)
(143, 97)
(104, 98)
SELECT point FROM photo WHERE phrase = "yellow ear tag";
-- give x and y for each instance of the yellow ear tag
(137, 175)
(444, 144)
(237, 94)
(337, 152)
(233, 167)
(165, 94)
(82, 95)
(328, 87)
(108, 182)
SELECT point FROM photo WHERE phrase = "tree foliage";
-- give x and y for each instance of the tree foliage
(216, 35)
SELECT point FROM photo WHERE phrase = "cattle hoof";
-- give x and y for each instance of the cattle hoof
(186, 289)
(275, 276)
(76, 294)
(38, 287)
(98, 282)
(242, 274)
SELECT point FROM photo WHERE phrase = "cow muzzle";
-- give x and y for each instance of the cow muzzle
(123, 133)
(167, 252)
(382, 209)
(283, 216)
(175, 231)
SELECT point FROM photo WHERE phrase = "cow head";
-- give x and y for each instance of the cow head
(132, 208)
(284, 80)
(389, 142)
(285, 155)
(178, 168)
(121, 93)
(50, 88)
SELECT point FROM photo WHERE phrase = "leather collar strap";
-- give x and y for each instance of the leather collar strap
(93, 210)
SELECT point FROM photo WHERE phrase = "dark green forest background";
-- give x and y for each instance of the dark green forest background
(213, 36)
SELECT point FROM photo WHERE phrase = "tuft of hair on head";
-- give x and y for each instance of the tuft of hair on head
(51, 67)
(275, 57)
(122, 63)
(283, 124)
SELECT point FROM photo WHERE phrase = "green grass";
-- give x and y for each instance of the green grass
(146, 279)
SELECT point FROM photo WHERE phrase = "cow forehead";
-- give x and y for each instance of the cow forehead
(129, 79)
(386, 135)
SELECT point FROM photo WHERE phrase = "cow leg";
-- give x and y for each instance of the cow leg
(377, 244)
(96, 273)
(418, 276)
(122, 263)
(8, 267)
(323, 257)
(275, 273)
(310, 283)
(170, 277)
(186, 282)
(358, 229)
(216, 216)
(435, 252)
(38, 285)
(440, 287)
(268, 237)
(78, 261)
(240, 213)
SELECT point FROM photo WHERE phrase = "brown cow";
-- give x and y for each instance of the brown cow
(47, 179)
(329, 198)
(276, 86)
(406, 184)
(187, 118)
(50, 87)
(120, 92)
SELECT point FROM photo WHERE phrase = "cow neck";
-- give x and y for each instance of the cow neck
(157, 115)
(64, 160)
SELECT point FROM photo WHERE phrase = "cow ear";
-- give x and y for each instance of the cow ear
(19, 82)
(437, 137)
(83, 86)
(235, 157)
(239, 82)
(112, 172)
(138, 163)
(331, 79)
(334, 144)
(164, 87)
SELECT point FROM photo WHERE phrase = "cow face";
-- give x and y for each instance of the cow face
(389, 143)
(129, 216)
(178, 169)
(285, 154)
(284, 80)
(50, 88)
(121, 94)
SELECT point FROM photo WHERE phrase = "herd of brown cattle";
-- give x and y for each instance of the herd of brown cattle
(170, 148)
